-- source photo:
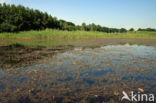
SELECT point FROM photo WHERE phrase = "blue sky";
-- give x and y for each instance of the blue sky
(110, 13)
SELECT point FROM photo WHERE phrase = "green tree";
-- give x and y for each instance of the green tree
(131, 29)
(83, 26)
(123, 30)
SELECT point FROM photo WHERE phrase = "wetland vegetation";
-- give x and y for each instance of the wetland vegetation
(53, 37)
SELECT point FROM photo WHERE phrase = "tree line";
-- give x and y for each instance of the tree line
(147, 29)
(19, 18)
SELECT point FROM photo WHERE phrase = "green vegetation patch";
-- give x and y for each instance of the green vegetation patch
(60, 34)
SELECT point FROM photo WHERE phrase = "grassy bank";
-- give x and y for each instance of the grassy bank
(50, 37)
(58, 34)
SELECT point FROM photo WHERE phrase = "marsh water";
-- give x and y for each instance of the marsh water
(83, 74)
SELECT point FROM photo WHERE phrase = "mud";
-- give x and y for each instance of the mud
(16, 55)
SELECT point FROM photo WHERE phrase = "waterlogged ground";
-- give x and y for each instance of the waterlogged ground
(82, 74)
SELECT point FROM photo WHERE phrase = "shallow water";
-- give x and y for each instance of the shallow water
(90, 74)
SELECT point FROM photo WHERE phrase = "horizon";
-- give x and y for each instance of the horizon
(109, 13)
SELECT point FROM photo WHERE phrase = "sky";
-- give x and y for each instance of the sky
(110, 13)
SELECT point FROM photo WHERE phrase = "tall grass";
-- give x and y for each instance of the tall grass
(59, 34)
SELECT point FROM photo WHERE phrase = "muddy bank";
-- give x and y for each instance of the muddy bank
(113, 41)
(16, 55)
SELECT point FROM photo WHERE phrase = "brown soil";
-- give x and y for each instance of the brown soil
(14, 56)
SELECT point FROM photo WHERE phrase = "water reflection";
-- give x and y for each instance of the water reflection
(98, 72)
